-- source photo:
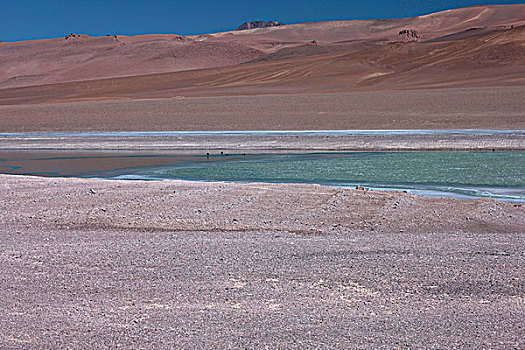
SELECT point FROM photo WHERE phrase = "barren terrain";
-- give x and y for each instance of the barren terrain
(473, 108)
(334, 64)
(97, 263)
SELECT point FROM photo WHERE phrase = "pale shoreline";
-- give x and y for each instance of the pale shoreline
(244, 143)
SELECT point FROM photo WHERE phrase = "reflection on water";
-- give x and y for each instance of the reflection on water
(459, 174)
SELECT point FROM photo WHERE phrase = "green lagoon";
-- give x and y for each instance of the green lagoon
(476, 174)
(498, 175)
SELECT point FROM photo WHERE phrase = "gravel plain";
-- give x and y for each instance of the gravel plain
(174, 264)
(452, 108)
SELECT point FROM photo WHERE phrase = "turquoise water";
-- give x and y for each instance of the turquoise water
(475, 174)
(498, 175)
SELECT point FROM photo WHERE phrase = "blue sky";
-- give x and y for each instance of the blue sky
(36, 19)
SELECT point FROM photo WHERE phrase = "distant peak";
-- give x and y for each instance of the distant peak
(259, 24)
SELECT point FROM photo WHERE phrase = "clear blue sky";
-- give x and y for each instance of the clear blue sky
(36, 19)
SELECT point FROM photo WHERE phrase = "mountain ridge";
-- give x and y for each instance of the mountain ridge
(369, 54)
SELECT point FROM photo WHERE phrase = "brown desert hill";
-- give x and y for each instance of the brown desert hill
(475, 46)
(80, 57)
(83, 58)
(429, 27)
(495, 58)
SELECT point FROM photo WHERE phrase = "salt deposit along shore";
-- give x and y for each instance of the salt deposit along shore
(271, 140)
(107, 263)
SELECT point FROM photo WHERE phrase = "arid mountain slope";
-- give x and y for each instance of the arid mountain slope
(488, 59)
(80, 57)
(429, 27)
(475, 46)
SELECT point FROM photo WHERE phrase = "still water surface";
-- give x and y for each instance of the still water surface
(498, 175)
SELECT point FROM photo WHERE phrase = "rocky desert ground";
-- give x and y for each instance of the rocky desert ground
(94, 263)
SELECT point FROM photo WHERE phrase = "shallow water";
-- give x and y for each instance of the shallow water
(459, 174)
(498, 175)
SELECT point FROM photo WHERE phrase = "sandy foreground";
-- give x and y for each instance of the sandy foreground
(97, 263)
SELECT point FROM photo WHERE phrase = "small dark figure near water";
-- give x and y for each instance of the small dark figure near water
(208, 155)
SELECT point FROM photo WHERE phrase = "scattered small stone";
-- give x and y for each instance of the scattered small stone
(409, 35)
